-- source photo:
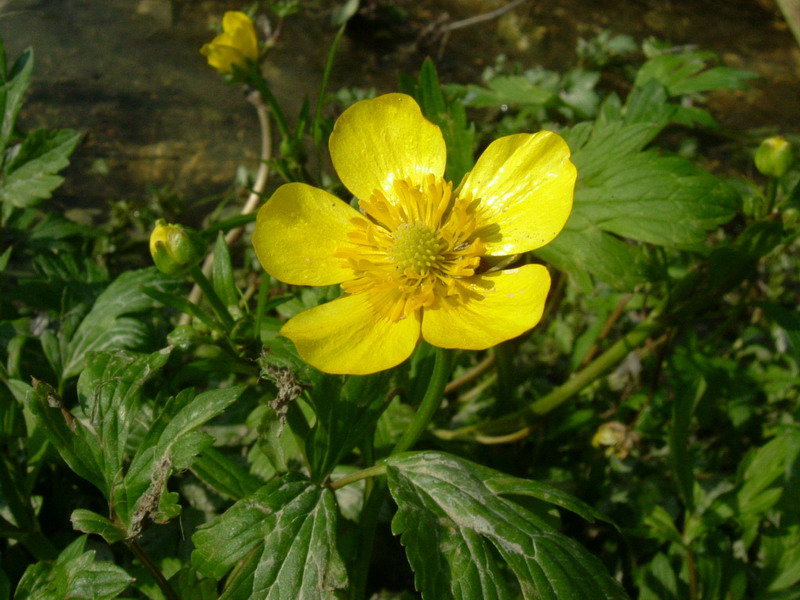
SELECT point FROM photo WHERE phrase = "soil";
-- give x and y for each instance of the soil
(128, 74)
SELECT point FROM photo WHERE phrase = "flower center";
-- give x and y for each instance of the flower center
(413, 248)
(416, 248)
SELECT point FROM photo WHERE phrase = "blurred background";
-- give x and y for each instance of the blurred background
(158, 121)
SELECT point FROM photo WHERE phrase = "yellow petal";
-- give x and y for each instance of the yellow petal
(298, 230)
(242, 34)
(347, 336)
(525, 184)
(377, 141)
(222, 57)
(511, 306)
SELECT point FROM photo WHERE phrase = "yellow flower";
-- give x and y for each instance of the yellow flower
(412, 262)
(236, 46)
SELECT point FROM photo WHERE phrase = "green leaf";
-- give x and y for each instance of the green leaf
(508, 89)
(45, 405)
(224, 475)
(663, 200)
(181, 304)
(688, 72)
(224, 283)
(105, 327)
(11, 94)
(789, 321)
(764, 471)
(90, 522)
(450, 116)
(75, 574)
(109, 393)
(781, 568)
(344, 415)
(680, 459)
(30, 176)
(627, 193)
(658, 581)
(457, 527)
(290, 525)
(171, 443)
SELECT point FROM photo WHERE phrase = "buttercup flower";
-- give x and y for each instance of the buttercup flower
(413, 261)
(235, 46)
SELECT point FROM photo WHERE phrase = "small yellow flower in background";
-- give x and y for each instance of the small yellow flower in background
(236, 46)
(412, 263)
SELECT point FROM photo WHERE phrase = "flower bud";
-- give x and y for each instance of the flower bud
(175, 249)
(774, 156)
(236, 47)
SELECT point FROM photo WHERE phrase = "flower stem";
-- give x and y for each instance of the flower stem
(373, 471)
(208, 290)
(504, 361)
(158, 576)
(257, 81)
(561, 394)
(430, 402)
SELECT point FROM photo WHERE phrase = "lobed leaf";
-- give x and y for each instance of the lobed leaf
(462, 534)
(290, 525)
(104, 327)
(75, 574)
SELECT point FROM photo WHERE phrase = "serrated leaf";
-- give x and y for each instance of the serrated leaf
(627, 193)
(75, 575)
(290, 524)
(508, 89)
(104, 327)
(31, 176)
(109, 393)
(11, 94)
(689, 72)
(171, 444)
(765, 468)
(663, 200)
(44, 404)
(458, 532)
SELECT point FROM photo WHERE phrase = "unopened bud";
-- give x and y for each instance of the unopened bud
(774, 156)
(175, 248)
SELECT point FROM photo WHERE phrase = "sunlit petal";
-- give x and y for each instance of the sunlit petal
(525, 184)
(242, 34)
(377, 141)
(512, 302)
(348, 336)
(298, 231)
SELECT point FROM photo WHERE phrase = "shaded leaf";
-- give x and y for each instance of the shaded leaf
(689, 72)
(290, 524)
(75, 575)
(12, 91)
(31, 175)
(90, 522)
(459, 530)
(104, 327)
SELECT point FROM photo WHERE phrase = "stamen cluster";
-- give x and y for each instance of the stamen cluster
(410, 251)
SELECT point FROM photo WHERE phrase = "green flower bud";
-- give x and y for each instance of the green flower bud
(175, 249)
(774, 156)
(184, 337)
